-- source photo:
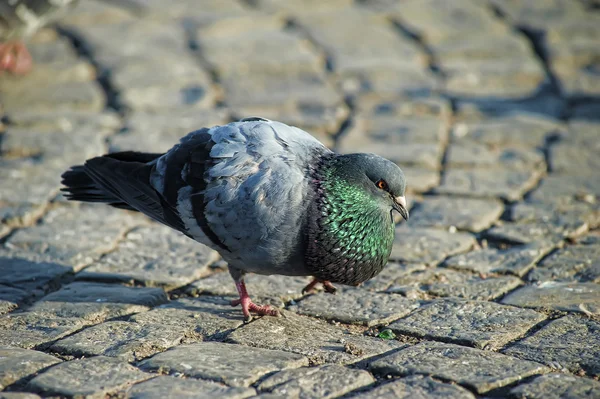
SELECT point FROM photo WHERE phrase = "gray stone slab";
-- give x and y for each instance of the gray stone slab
(356, 306)
(31, 272)
(96, 302)
(484, 325)
(420, 179)
(568, 297)
(451, 283)
(167, 387)
(474, 155)
(462, 213)
(571, 343)
(511, 130)
(75, 236)
(556, 187)
(427, 245)
(67, 121)
(153, 256)
(572, 263)
(572, 159)
(478, 370)
(122, 339)
(564, 215)
(18, 395)
(328, 381)
(16, 364)
(206, 317)
(93, 377)
(235, 365)
(503, 183)
(391, 272)
(552, 231)
(11, 297)
(273, 289)
(321, 342)
(418, 387)
(557, 386)
(517, 260)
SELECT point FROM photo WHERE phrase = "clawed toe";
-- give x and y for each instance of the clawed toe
(327, 286)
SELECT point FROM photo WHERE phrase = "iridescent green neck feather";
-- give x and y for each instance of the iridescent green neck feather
(351, 230)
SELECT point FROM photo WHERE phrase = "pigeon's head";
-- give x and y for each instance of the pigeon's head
(382, 179)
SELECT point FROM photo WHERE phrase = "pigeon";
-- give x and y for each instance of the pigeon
(269, 197)
(20, 19)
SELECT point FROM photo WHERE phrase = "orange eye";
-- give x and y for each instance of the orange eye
(382, 184)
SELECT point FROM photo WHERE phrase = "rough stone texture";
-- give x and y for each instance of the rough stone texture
(573, 263)
(235, 365)
(429, 246)
(547, 345)
(503, 183)
(416, 387)
(356, 306)
(10, 298)
(391, 272)
(329, 381)
(462, 213)
(95, 377)
(479, 370)
(517, 260)
(168, 387)
(484, 325)
(18, 395)
(154, 256)
(16, 364)
(122, 339)
(569, 297)
(208, 317)
(320, 341)
(450, 283)
(555, 386)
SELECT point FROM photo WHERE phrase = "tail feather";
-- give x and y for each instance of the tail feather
(79, 185)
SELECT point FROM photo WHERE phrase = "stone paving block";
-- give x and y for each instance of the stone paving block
(570, 216)
(275, 289)
(67, 121)
(451, 283)
(75, 236)
(389, 274)
(509, 131)
(18, 395)
(158, 132)
(510, 185)
(551, 231)
(572, 263)
(329, 381)
(426, 245)
(95, 377)
(462, 213)
(517, 260)
(85, 96)
(484, 325)
(473, 155)
(555, 386)
(95, 301)
(235, 365)
(206, 317)
(154, 256)
(420, 179)
(539, 14)
(572, 159)
(167, 387)
(478, 370)
(10, 297)
(416, 387)
(548, 345)
(320, 341)
(560, 187)
(29, 329)
(356, 306)
(338, 32)
(568, 297)
(16, 364)
(31, 272)
(124, 340)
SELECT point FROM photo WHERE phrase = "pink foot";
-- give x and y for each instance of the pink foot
(330, 288)
(249, 306)
(15, 58)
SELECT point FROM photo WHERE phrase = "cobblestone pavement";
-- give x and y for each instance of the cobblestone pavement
(492, 109)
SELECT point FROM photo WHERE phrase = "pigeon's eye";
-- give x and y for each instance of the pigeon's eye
(382, 184)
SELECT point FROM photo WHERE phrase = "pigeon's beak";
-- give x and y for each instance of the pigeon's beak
(400, 206)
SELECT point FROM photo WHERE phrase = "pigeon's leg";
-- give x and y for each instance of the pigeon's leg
(15, 58)
(249, 306)
(330, 288)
